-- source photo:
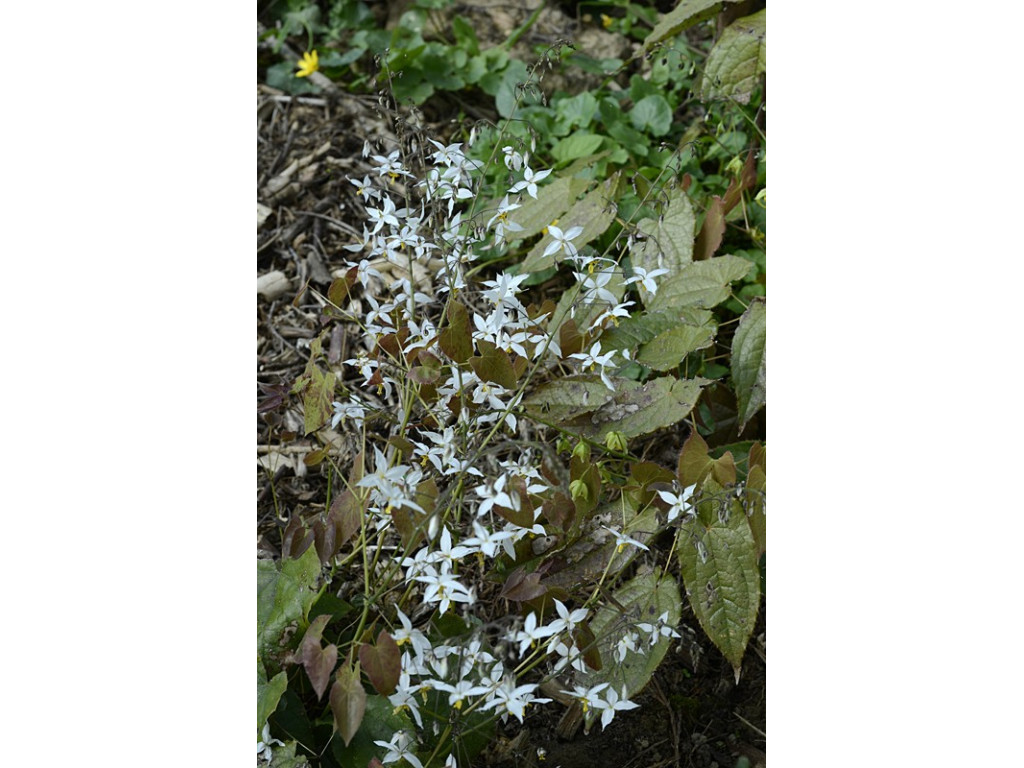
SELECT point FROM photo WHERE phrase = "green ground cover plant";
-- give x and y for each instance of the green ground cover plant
(532, 303)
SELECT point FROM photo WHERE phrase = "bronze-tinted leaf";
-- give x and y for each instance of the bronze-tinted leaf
(338, 291)
(317, 399)
(455, 338)
(570, 341)
(407, 523)
(643, 474)
(382, 663)
(296, 538)
(345, 513)
(325, 540)
(523, 516)
(711, 231)
(521, 586)
(495, 365)
(317, 661)
(756, 457)
(560, 511)
(587, 642)
(747, 180)
(694, 462)
(723, 469)
(348, 702)
(315, 458)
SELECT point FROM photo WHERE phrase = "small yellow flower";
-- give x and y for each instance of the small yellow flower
(606, 20)
(310, 63)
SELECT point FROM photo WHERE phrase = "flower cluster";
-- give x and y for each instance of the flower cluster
(414, 260)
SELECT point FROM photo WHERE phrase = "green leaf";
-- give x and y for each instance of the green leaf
(668, 349)
(718, 562)
(579, 144)
(282, 76)
(686, 14)
(465, 35)
(594, 213)
(644, 599)
(638, 329)
(668, 240)
(748, 362)
(508, 91)
(579, 111)
(737, 60)
(657, 404)
(700, 283)
(652, 114)
(285, 757)
(552, 201)
(590, 560)
(630, 138)
(494, 60)
(268, 694)
(411, 90)
(566, 398)
(284, 593)
(755, 489)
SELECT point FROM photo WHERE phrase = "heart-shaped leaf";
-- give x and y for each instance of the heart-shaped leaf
(348, 702)
(317, 661)
(522, 586)
(382, 663)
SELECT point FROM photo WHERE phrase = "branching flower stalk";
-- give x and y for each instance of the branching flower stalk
(443, 439)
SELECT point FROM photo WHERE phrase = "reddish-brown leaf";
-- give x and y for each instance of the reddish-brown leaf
(523, 517)
(455, 339)
(338, 291)
(586, 641)
(723, 469)
(756, 457)
(346, 513)
(694, 461)
(495, 365)
(560, 511)
(317, 661)
(711, 231)
(296, 538)
(747, 180)
(325, 539)
(521, 586)
(348, 702)
(570, 341)
(382, 663)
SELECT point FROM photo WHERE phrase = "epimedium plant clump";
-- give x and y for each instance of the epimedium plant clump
(491, 543)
